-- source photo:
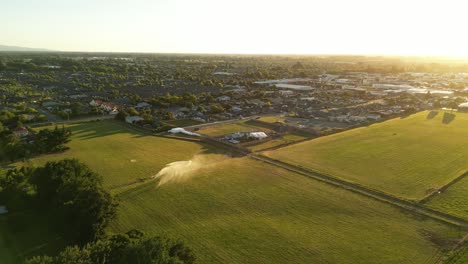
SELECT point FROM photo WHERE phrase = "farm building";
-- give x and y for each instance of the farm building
(21, 132)
(245, 136)
(133, 119)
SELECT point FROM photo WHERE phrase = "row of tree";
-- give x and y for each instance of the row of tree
(12, 147)
(132, 247)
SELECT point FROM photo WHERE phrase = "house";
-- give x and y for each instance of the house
(78, 96)
(108, 107)
(95, 103)
(21, 132)
(294, 87)
(373, 117)
(223, 98)
(233, 141)
(49, 104)
(133, 119)
(103, 105)
(142, 106)
(236, 109)
(255, 102)
(286, 93)
(357, 118)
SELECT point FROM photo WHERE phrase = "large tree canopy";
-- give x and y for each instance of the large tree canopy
(76, 195)
(79, 206)
(132, 247)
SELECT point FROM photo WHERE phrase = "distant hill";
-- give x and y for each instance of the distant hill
(16, 48)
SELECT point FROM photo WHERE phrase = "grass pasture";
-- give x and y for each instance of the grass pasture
(409, 157)
(244, 211)
(122, 155)
(26, 234)
(272, 119)
(453, 200)
(232, 210)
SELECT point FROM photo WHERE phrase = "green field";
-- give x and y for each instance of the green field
(121, 155)
(453, 200)
(243, 211)
(272, 119)
(229, 128)
(409, 157)
(232, 210)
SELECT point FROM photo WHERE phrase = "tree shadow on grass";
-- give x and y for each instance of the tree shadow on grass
(258, 124)
(432, 114)
(91, 130)
(448, 118)
(26, 237)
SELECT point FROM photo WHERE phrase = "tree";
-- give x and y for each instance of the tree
(132, 247)
(15, 181)
(121, 115)
(76, 197)
(52, 140)
(131, 111)
(217, 109)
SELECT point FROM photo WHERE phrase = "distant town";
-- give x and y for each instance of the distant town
(158, 92)
(123, 158)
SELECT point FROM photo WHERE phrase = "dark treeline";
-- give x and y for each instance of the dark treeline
(13, 147)
(79, 209)
(78, 206)
(132, 247)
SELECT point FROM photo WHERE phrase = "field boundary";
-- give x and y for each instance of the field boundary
(285, 144)
(407, 205)
(443, 188)
(414, 207)
(456, 252)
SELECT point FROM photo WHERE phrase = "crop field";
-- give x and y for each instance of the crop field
(243, 211)
(409, 157)
(121, 155)
(453, 200)
(229, 128)
(231, 210)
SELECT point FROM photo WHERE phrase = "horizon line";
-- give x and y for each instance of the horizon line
(41, 50)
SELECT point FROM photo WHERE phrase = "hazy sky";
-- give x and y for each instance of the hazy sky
(397, 27)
